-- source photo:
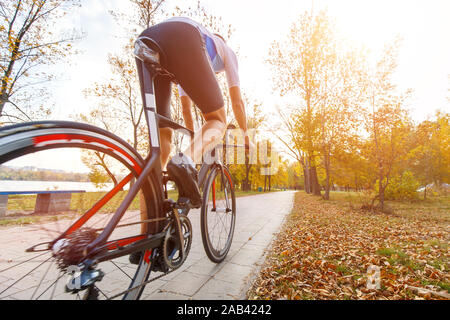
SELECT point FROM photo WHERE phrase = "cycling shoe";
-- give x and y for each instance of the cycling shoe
(182, 170)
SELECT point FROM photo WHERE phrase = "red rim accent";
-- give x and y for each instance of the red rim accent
(57, 138)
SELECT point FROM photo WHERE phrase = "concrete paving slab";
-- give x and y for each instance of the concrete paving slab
(258, 220)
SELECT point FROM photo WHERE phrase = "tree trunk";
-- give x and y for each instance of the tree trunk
(2, 105)
(327, 180)
(381, 192)
(326, 196)
(314, 181)
(248, 167)
(307, 175)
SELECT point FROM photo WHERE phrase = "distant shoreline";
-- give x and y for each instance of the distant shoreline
(27, 185)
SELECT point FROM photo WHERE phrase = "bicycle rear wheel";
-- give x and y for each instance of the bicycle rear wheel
(39, 275)
(218, 214)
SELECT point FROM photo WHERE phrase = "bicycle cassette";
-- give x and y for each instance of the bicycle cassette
(70, 251)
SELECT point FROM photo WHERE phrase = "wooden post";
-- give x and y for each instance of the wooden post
(3, 205)
(53, 203)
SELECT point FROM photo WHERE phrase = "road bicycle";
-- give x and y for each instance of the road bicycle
(92, 252)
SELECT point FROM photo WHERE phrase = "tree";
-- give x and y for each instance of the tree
(121, 93)
(122, 97)
(386, 121)
(429, 158)
(255, 119)
(120, 109)
(339, 110)
(294, 172)
(299, 66)
(351, 168)
(100, 164)
(28, 44)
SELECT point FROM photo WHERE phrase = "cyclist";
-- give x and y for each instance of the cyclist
(193, 55)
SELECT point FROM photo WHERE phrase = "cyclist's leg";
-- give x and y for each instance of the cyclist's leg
(165, 135)
(209, 136)
(186, 58)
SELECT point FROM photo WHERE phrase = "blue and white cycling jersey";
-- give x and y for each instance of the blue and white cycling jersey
(217, 62)
(222, 58)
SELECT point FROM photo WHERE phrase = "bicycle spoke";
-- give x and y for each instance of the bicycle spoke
(54, 287)
(28, 275)
(54, 283)
(121, 270)
(23, 277)
(9, 268)
(218, 216)
(40, 282)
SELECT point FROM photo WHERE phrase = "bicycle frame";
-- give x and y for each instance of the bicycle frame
(152, 165)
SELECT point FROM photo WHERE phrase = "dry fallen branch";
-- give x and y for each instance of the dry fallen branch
(428, 293)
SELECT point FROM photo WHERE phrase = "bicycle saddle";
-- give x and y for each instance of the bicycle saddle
(148, 51)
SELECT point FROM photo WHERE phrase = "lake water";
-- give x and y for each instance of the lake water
(6, 185)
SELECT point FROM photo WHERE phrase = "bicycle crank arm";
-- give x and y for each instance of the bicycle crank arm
(179, 233)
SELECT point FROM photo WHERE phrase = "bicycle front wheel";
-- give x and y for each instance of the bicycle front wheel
(41, 274)
(218, 214)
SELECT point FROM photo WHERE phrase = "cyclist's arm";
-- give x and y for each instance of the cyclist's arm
(238, 107)
(186, 105)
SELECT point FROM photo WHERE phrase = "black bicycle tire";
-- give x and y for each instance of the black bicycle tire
(210, 252)
(15, 141)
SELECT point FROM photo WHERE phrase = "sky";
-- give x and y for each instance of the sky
(424, 60)
(424, 63)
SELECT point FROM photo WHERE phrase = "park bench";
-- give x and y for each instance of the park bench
(46, 202)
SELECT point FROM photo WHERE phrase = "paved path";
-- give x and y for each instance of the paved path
(259, 218)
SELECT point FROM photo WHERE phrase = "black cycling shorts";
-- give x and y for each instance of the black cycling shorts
(187, 59)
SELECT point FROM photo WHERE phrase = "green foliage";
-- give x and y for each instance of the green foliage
(97, 177)
(402, 187)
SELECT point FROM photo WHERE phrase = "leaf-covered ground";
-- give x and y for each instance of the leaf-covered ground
(325, 250)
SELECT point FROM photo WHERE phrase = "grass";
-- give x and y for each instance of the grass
(20, 207)
(434, 209)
